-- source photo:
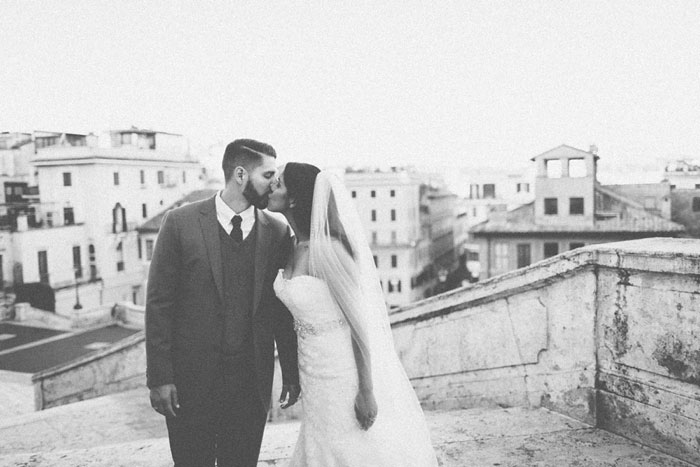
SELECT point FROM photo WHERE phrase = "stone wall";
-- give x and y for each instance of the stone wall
(607, 334)
(514, 340)
(648, 327)
(116, 368)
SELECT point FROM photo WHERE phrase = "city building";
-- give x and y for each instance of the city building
(570, 210)
(393, 206)
(76, 229)
(683, 174)
(493, 189)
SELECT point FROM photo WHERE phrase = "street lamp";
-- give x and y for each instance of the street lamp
(77, 305)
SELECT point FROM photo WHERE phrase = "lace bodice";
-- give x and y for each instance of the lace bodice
(310, 302)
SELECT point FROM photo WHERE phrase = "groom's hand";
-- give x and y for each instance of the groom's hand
(164, 400)
(290, 395)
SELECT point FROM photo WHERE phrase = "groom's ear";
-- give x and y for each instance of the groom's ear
(292, 202)
(240, 174)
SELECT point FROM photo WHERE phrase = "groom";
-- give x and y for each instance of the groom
(212, 318)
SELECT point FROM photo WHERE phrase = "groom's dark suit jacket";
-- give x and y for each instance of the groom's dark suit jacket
(185, 308)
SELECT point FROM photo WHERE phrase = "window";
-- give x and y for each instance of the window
(77, 264)
(149, 249)
(489, 190)
(523, 188)
(574, 245)
(67, 179)
(43, 267)
(118, 219)
(184, 177)
(374, 215)
(116, 178)
(392, 193)
(376, 260)
(393, 214)
(2, 274)
(553, 167)
(394, 261)
(49, 219)
(373, 194)
(374, 237)
(144, 210)
(354, 194)
(120, 254)
(697, 186)
(551, 207)
(143, 177)
(577, 168)
(92, 259)
(474, 191)
(68, 217)
(501, 257)
(161, 177)
(140, 248)
(696, 204)
(575, 206)
(398, 286)
(524, 258)
(551, 249)
(393, 236)
(390, 286)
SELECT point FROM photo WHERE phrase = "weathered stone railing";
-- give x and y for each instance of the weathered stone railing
(607, 334)
(130, 314)
(116, 368)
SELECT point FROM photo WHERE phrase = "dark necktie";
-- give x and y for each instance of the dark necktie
(236, 232)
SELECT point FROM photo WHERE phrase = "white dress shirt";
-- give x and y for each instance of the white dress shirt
(224, 214)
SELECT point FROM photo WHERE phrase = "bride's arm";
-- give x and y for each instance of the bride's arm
(365, 403)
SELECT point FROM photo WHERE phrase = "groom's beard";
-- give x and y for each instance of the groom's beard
(254, 198)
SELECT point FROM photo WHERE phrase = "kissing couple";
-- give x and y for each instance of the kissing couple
(229, 282)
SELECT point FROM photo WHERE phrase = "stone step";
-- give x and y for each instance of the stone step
(122, 430)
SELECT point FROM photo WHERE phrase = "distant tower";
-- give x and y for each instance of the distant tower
(565, 186)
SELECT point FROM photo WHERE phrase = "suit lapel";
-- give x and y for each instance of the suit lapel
(262, 246)
(210, 230)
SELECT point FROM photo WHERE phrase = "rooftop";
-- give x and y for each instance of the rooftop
(635, 220)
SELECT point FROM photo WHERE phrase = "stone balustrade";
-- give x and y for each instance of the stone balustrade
(607, 334)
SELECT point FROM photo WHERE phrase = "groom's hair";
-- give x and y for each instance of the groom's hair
(300, 179)
(246, 153)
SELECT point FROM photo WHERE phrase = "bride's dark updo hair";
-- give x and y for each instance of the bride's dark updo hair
(300, 178)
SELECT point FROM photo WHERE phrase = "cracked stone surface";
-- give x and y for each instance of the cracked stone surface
(122, 430)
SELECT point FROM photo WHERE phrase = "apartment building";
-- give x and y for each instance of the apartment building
(79, 231)
(570, 210)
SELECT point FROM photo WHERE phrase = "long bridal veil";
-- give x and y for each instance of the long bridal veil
(340, 256)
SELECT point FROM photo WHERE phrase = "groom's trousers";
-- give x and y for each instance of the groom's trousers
(227, 427)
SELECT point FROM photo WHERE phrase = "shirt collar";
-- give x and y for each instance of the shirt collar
(223, 211)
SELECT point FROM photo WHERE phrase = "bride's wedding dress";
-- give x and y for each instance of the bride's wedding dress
(330, 435)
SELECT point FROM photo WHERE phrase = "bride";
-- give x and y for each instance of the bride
(359, 409)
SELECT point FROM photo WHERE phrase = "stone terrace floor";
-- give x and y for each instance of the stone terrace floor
(122, 430)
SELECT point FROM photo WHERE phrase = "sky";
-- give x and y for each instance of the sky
(440, 84)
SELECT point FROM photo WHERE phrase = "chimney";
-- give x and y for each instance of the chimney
(593, 149)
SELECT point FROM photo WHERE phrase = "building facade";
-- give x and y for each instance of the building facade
(79, 232)
(397, 225)
(570, 210)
